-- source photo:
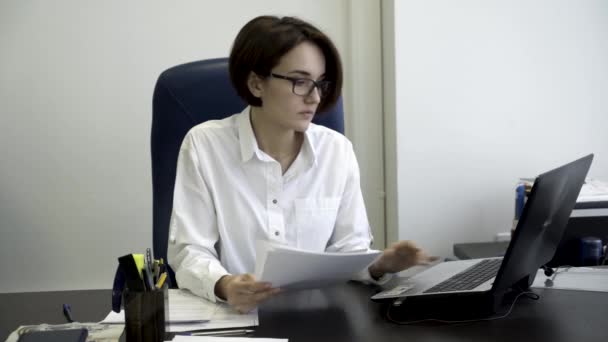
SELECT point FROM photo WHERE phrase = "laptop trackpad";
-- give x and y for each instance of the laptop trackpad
(424, 280)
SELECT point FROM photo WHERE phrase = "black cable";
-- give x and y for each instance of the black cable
(528, 294)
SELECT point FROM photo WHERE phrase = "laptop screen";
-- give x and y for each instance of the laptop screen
(541, 224)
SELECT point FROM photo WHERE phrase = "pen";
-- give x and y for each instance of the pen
(161, 280)
(149, 264)
(234, 332)
(67, 312)
(156, 270)
(148, 282)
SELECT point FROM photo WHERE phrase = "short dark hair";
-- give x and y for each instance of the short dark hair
(262, 42)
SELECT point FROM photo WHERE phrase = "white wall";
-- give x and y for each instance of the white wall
(486, 92)
(75, 108)
(364, 123)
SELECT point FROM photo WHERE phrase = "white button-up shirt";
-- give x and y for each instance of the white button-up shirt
(229, 193)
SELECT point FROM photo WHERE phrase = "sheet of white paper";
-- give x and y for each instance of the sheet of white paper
(238, 323)
(291, 268)
(114, 318)
(575, 278)
(593, 191)
(186, 310)
(224, 339)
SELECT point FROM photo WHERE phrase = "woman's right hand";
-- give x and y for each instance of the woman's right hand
(243, 292)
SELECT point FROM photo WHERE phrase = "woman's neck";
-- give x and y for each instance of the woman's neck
(279, 143)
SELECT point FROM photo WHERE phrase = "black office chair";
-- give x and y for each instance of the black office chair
(185, 96)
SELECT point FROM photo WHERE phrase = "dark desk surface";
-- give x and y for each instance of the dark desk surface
(475, 250)
(345, 313)
(46, 307)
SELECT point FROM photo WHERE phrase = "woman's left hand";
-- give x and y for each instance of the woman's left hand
(399, 256)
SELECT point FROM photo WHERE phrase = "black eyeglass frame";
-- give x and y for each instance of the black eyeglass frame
(322, 85)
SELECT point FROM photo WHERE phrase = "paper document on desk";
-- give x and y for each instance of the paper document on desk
(179, 338)
(292, 268)
(188, 311)
(593, 191)
(574, 278)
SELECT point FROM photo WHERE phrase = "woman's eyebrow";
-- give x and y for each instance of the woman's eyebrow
(303, 73)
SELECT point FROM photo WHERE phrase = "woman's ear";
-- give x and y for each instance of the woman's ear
(255, 84)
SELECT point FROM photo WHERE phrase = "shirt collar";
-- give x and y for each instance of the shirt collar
(249, 145)
(308, 149)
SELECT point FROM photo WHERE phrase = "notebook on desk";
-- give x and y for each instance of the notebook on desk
(480, 285)
(69, 335)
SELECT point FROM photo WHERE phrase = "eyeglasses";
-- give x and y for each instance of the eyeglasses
(305, 86)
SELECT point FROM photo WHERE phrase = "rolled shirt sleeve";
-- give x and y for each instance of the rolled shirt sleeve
(193, 232)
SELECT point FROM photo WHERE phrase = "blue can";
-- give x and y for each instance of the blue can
(591, 250)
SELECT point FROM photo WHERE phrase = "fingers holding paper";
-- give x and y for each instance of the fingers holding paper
(398, 257)
(244, 292)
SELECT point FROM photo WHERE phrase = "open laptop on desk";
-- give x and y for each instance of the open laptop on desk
(478, 286)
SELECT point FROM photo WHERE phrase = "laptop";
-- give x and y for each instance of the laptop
(481, 285)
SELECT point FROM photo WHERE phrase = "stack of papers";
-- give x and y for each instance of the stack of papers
(593, 191)
(223, 339)
(292, 268)
(574, 278)
(188, 312)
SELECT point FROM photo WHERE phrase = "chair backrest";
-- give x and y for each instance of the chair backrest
(185, 96)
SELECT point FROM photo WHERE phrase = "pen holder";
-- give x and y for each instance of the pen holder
(145, 314)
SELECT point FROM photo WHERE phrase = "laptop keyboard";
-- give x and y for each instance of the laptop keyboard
(469, 278)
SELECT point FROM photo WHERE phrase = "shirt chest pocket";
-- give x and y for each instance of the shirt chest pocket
(315, 221)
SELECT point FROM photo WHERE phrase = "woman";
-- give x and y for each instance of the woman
(267, 173)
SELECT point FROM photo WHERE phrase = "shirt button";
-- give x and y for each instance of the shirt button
(276, 233)
(274, 201)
